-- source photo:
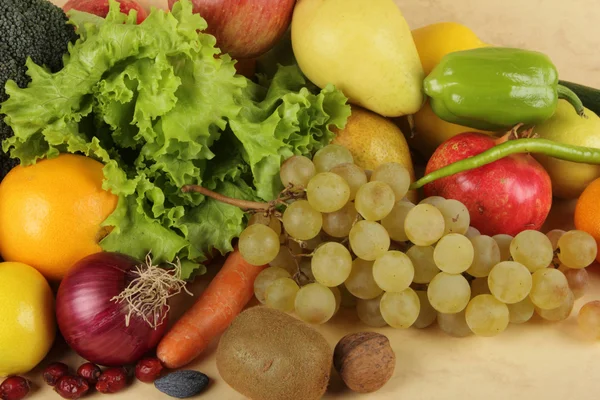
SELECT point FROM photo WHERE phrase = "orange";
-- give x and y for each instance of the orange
(587, 211)
(51, 211)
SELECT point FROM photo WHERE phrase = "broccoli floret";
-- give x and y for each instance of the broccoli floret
(29, 28)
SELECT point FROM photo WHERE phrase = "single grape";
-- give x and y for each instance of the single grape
(401, 309)
(265, 278)
(521, 312)
(315, 303)
(331, 264)
(297, 171)
(393, 271)
(453, 253)
(330, 156)
(588, 319)
(533, 249)
(369, 240)
(374, 200)
(479, 286)
(259, 244)
(354, 176)
(368, 312)
(559, 313)
(395, 175)
(338, 223)
(285, 260)
(504, 245)
(361, 283)
(281, 294)
(577, 249)
(454, 324)
(423, 263)
(394, 221)
(456, 216)
(348, 299)
(554, 235)
(301, 221)
(449, 293)
(327, 192)
(549, 289)
(472, 232)
(270, 221)
(427, 313)
(338, 297)
(486, 315)
(578, 280)
(486, 254)
(424, 225)
(510, 281)
(433, 200)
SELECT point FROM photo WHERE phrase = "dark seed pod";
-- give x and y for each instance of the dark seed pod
(182, 384)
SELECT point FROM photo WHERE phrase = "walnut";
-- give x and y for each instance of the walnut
(365, 361)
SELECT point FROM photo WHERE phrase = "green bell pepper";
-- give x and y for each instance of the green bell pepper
(496, 88)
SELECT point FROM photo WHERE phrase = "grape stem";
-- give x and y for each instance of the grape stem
(289, 193)
(243, 204)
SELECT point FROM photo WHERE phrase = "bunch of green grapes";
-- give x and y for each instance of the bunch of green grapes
(354, 240)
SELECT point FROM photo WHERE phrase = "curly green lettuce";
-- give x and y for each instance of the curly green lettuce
(161, 107)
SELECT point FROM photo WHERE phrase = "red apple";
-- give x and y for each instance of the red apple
(245, 28)
(508, 196)
(100, 7)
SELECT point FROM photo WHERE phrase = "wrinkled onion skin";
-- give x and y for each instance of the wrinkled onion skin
(92, 324)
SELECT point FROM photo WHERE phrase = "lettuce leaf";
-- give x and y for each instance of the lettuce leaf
(161, 107)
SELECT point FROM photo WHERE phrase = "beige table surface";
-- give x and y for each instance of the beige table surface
(534, 361)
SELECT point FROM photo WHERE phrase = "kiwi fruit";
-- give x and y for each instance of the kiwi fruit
(266, 354)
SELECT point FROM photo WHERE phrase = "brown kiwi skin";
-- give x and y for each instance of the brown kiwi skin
(266, 354)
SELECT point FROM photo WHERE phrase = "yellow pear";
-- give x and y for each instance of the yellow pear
(374, 140)
(365, 48)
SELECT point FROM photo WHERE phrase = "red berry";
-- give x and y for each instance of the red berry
(148, 369)
(71, 387)
(53, 372)
(90, 372)
(14, 388)
(112, 380)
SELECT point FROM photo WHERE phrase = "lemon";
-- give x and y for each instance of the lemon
(27, 322)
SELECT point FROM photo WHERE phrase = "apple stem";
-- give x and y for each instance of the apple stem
(578, 154)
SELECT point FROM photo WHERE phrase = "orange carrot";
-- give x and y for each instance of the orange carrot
(224, 298)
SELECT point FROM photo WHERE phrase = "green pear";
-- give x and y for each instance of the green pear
(569, 179)
(365, 48)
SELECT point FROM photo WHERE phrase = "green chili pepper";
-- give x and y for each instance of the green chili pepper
(578, 154)
(494, 88)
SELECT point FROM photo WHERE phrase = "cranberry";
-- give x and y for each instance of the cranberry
(14, 388)
(148, 369)
(90, 372)
(112, 380)
(54, 372)
(71, 387)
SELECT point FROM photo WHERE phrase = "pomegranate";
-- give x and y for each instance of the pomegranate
(507, 196)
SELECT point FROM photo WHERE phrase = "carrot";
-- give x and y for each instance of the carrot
(224, 298)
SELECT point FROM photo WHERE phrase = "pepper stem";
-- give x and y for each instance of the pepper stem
(578, 154)
(570, 96)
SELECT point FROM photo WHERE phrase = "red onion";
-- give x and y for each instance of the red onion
(99, 322)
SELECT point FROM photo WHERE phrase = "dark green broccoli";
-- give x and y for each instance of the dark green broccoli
(29, 28)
